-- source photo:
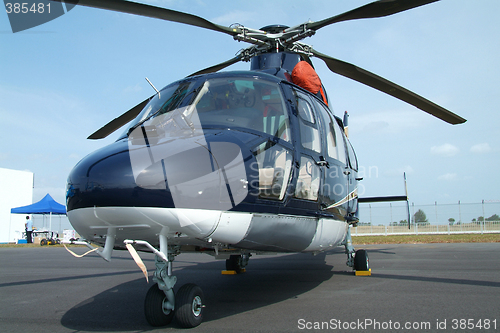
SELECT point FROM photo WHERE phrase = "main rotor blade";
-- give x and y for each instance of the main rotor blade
(116, 123)
(153, 12)
(372, 10)
(358, 74)
(217, 67)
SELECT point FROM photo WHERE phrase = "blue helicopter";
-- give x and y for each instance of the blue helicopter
(230, 164)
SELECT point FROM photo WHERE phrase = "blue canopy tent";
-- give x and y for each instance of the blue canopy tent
(45, 206)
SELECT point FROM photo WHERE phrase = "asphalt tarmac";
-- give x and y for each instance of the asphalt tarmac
(413, 288)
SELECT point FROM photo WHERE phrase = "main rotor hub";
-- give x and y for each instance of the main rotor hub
(274, 38)
(275, 28)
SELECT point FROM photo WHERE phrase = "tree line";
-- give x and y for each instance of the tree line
(421, 218)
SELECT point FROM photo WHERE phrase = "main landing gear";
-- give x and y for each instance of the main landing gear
(358, 260)
(162, 304)
(237, 263)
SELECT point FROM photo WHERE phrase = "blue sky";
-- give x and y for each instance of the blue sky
(61, 81)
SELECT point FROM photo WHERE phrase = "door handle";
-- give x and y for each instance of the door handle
(323, 162)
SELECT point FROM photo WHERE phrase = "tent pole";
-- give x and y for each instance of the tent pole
(10, 224)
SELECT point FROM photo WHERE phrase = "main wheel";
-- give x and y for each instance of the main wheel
(156, 314)
(234, 263)
(189, 305)
(361, 261)
(43, 242)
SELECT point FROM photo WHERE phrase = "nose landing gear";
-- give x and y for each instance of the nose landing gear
(161, 304)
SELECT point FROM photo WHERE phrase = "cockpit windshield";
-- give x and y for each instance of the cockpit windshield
(233, 102)
(168, 99)
(247, 103)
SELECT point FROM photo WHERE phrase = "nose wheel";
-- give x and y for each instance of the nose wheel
(155, 307)
(188, 310)
(189, 305)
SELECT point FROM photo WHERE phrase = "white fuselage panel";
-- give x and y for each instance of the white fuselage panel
(264, 232)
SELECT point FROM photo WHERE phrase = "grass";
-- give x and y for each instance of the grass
(392, 239)
(426, 239)
(35, 245)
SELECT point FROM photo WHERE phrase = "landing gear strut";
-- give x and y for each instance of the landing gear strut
(161, 303)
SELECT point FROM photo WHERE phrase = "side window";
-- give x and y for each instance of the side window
(309, 134)
(339, 137)
(334, 139)
(274, 164)
(352, 156)
(308, 181)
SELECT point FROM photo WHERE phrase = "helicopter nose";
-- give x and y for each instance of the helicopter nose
(104, 178)
(183, 173)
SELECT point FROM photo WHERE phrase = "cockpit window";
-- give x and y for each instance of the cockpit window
(245, 103)
(168, 99)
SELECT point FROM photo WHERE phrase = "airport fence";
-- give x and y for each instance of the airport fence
(392, 218)
(464, 228)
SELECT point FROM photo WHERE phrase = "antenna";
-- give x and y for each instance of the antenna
(152, 85)
(407, 202)
(346, 124)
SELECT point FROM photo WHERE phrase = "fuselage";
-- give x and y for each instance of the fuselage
(243, 159)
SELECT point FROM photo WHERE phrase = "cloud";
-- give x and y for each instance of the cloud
(448, 176)
(388, 37)
(161, 3)
(392, 122)
(480, 148)
(235, 16)
(132, 89)
(446, 150)
(376, 126)
(400, 171)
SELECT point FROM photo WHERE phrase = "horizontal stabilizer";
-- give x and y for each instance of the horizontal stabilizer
(383, 199)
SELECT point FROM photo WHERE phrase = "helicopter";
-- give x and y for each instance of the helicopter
(230, 164)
